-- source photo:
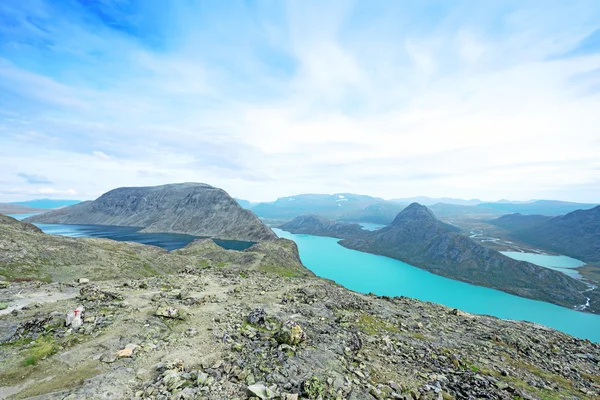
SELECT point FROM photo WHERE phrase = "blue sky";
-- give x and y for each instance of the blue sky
(471, 99)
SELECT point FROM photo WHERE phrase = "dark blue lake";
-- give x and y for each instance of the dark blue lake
(168, 241)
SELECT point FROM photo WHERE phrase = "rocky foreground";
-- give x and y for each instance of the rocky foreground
(207, 323)
(223, 333)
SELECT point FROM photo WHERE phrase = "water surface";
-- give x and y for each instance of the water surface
(369, 226)
(564, 264)
(364, 272)
(168, 241)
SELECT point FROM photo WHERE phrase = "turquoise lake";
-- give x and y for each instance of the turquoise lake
(363, 272)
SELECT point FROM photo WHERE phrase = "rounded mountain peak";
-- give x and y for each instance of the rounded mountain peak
(414, 211)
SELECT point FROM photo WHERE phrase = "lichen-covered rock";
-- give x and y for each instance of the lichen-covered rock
(167, 311)
(291, 333)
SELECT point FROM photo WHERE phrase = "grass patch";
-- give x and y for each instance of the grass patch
(371, 325)
(43, 347)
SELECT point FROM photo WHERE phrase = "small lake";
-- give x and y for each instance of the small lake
(364, 272)
(564, 264)
(168, 241)
(369, 226)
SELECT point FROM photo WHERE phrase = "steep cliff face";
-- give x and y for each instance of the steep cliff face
(319, 226)
(192, 208)
(418, 238)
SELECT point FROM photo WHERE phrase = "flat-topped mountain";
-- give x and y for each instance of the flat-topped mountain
(192, 208)
(320, 226)
(418, 238)
(576, 234)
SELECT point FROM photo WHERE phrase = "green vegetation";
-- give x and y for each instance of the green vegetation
(44, 346)
(372, 325)
(314, 388)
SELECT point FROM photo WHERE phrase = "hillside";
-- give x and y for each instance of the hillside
(538, 207)
(9, 208)
(517, 221)
(192, 208)
(27, 253)
(319, 226)
(418, 238)
(576, 234)
(221, 327)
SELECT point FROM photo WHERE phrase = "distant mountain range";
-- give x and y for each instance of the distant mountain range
(47, 203)
(361, 208)
(328, 205)
(576, 234)
(538, 207)
(429, 201)
(192, 208)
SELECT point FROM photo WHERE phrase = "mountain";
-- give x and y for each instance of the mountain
(9, 208)
(429, 201)
(418, 238)
(192, 208)
(576, 234)
(245, 204)
(445, 210)
(47, 203)
(204, 322)
(320, 226)
(327, 205)
(517, 221)
(538, 207)
(378, 213)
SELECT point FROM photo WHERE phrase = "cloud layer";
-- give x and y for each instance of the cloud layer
(265, 99)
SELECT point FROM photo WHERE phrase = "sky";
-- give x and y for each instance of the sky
(469, 99)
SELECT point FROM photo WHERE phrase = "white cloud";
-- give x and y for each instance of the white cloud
(318, 99)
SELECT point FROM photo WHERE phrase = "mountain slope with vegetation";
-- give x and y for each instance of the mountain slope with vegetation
(191, 208)
(418, 238)
(576, 234)
(319, 226)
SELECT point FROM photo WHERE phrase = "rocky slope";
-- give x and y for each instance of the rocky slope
(418, 238)
(319, 226)
(576, 234)
(192, 208)
(219, 333)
